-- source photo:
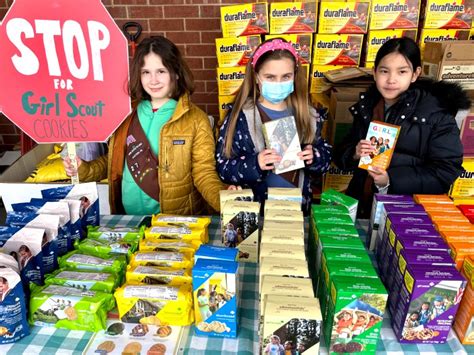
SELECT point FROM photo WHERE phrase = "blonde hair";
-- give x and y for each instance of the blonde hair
(298, 99)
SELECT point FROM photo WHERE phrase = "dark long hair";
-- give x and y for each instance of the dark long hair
(181, 76)
(405, 46)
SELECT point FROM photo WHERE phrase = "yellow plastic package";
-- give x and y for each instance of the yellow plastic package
(163, 259)
(152, 304)
(169, 245)
(153, 275)
(184, 234)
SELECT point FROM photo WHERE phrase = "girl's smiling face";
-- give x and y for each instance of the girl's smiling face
(156, 80)
(393, 76)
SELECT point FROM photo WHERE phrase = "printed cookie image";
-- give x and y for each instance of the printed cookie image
(217, 327)
(107, 347)
(151, 320)
(70, 313)
(353, 347)
(133, 348)
(164, 331)
(204, 327)
(3, 331)
(115, 329)
(157, 349)
(425, 334)
(139, 330)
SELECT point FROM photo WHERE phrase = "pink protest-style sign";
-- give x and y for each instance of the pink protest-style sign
(64, 70)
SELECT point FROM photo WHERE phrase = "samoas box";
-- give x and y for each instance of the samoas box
(215, 297)
(429, 300)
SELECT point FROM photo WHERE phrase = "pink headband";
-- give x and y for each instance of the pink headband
(276, 44)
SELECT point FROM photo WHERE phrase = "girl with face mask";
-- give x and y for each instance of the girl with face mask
(274, 87)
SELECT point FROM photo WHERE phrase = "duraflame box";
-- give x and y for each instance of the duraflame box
(224, 106)
(337, 179)
(376, 38)
(448, 14)
(387, 14)
(337, 49)
(293, 17)
(463, 186)
(302, 43)
(244, 20)
(317, 81)
(344, 17)
(444, 35)
(229, 80)
(235, 51)
(13, 189)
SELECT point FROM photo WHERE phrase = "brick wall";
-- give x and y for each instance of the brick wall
(191, 24)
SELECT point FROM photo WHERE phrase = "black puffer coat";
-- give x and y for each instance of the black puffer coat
(428, 154)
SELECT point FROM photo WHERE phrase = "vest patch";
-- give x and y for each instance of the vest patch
(179, 142)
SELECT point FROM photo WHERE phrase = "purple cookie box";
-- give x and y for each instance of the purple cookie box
(426, 279)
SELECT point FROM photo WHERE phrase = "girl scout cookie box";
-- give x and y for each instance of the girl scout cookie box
(440, 289)
(215, 297)
(155, 304)
(244, 20)
(291, 321)
(13, 322)
(464, 323)
(240, 228)
(354, 316)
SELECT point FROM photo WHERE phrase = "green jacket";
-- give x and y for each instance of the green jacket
(187, 167)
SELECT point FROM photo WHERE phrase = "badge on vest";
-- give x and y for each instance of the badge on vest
(179, 142)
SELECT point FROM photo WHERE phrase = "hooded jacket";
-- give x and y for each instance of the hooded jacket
(248, 141)
(428, 154)
(186, 165)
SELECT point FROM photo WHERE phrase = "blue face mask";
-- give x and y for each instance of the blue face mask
(277, 92)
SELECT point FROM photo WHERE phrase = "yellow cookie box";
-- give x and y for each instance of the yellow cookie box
(317, 82)
(163, 259)
(177, 233)
(343, 17)
(336, 49)
(377, 38)
(302, 43)
(385, 14)
(444, 14)
(244, 20)
(293, 17)
(229, 80)
(170, 245)
(235, 51)
(162, 219)
(153, 275)
(153, 304)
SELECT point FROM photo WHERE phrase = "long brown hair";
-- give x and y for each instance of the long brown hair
(181, 76)
(298, 99)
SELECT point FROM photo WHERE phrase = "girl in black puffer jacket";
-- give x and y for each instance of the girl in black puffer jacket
(428, 154)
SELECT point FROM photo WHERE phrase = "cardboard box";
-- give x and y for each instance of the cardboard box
(443, 35)
(293, 17)
(13, 189)
(451, 61)
(344, 17)
(387, 14)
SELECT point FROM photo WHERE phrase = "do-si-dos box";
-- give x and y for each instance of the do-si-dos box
(240, 228)
(387, 14)
(235, 51)
(343, 49)
(333, 197)
(295, 320)
(344, 17)
(377, 38)
(293, 17)
(229, 80)
(302, 43)
(444, 14)
(437, 290)
(244, 20)
(355, 313)
(215, 294)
